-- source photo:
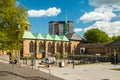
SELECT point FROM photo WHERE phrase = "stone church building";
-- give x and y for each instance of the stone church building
(61, 39)
(43, 45)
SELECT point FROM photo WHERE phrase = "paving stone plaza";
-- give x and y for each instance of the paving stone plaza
(97, 71)
(17, 72)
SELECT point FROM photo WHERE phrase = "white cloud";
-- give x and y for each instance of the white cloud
(114, 4)
(98, 3)
(40, 13)
(77, 30)
(101, 13)
(111, 28)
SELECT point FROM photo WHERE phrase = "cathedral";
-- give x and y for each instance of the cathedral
(61, 39)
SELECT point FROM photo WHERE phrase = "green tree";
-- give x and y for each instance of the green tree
(96, 36)
(12, 24)
(57, 55)
(115, 38)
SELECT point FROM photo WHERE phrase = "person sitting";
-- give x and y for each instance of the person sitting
(15, 61)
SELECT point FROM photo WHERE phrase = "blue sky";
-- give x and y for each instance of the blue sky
(86, 14)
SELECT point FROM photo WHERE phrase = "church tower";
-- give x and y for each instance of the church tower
(61, 27)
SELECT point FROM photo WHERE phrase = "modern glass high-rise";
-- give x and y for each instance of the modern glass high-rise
(60, 27)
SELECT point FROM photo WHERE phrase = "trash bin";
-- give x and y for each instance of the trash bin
(61, 64)
(48, 65)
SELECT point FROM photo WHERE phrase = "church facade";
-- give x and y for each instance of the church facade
(43, 45)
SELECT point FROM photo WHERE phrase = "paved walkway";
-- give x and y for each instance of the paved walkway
(100, 71)
(10, 72)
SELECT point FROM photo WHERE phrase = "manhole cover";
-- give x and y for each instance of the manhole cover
(65, 73)
(85, 70)
(105, 79)
(34, 79)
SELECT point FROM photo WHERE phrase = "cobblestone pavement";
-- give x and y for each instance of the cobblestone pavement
(98, 71)
(15, 72)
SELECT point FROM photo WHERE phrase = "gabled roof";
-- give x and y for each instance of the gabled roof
(28, 35)
(114, 43)
(47, 37)
(56, 37)
(64, 38)
(73, 36)
(38, 36)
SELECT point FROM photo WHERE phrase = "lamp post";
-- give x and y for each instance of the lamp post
(33, 56)
(73, 58)
(115, 56)
(33, 60)
(18, 54)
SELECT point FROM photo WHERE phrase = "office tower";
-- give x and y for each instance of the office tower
(60, 27)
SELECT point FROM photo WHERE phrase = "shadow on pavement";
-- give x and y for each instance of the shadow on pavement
(6, 73)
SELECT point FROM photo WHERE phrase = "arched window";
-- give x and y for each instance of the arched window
(31, 47)
(41, 49)
(57, 47)
(66, 47)
(49, 47)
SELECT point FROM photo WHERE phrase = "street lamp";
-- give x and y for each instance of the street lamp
(33, 55)
(73, 58)
(17, 31)
(73, 51)
(32, 60)
(115, 56)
